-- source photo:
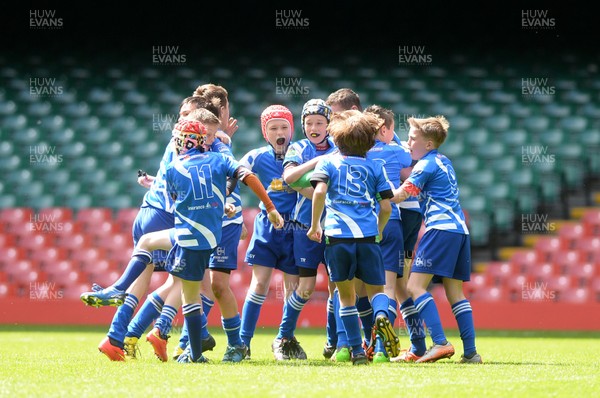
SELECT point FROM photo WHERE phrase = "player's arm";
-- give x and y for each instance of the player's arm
(294, 171)
(315, 232)
(385, 209)
(404, 191)
(251, 180)
(144, 179)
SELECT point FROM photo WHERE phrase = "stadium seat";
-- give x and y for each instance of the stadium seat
(577, 295)
(87, 255)
(584, 273)
(9, 217)
(589, 248)
(565, 258)
(21, 272)
(525, 259)
(94, 267)
(591, 222)
(89, 218)
(54, 214)
(570, 233)
(546, 246)
(490, 294)
(499, 271)
(543, 272)
(125, 217)
(74, 291)
(103, 278)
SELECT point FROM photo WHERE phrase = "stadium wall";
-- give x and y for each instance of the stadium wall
(499, 316)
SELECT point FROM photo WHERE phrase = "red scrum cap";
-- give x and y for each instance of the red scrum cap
(276, 112)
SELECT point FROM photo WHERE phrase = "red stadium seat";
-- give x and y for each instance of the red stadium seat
(566, 258)
(584, 273)
(589, 248)
(56, 269)
(7, 240)
(47, 256)
(6, 290)
(93, 266)
(591, 222)
(524, 260)
(74, 242)
(499, 271)
(125, 218)
(54, 214)
(87, 254)
(104, 278)
(239, 282)
(546, 246)
(73, 291)
(14, 216)
(9, 256)
(36, 241)
(103, 229)
(90, 218)
(115, 241)
(477, 282)
(544, 272)
(579, 295)
(490, 294)
(22, 273)
(570, 233)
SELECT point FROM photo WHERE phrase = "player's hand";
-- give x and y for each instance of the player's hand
(145, 180)
(275, 219)
(231, 127)
(225, 139)
(230, 210)
(315, 233)
(244, 234)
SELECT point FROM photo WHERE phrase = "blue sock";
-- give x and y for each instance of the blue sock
(291, 311)
(331, 328)
(118, 326)
(380, 304)
(193, 320)
(139, 260)
(340, 331)
(207, 304)
(204, 331)
(392, 311)
(365, 312)
(415, 326)
(250, 313)
(149, 311)
(349, 316)
(429, 313)
(184, 339)
(464, 318)
(232, 326)
(165, 320)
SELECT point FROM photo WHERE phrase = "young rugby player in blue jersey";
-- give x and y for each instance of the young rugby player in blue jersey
(444, 252)
(270, 249)
(300, 159)
(347, 185)
(156, 213)
(395, 161)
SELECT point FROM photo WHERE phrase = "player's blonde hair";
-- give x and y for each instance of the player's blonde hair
(204, 116)
(434, 129)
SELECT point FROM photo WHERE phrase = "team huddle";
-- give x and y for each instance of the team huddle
(350, 195)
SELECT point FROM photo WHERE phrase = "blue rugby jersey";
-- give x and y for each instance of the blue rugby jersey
(234, 197)
(353, 185)
(199, 180)
(301, 152)
(412, 202)
(433, 179)
(393, 158)
(269, 170)
(157, 196)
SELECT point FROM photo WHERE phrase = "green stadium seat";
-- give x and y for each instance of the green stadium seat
(111, 110)
(76, 110)
(14, 122)
(576, 97)
(39, 109)
(99, 95)
(536, 123)
(7, 108)
(81, 201)
(9, 163)
(478, 109)
(514, 139)
(574, 124)
(481, 178)
(590, 110)
(556, 110)
(465, 164)
(518, 110)
(459, 123)
(452, 149)
(109, 149)
(7, 201)
(86, 124)
(6, 149)
(553, 138)
(97, 137)
(477, 137)
(497, 123)
(492, 150)
(507, 165)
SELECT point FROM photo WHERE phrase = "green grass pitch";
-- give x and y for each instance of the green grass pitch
(64, 361)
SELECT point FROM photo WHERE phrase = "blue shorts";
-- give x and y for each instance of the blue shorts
(226, 253)
(188, 264)
(348, 260)
(307, 253)
(150, 219)
(411, 225)
(272, 247)
(444, 254)
(392, 247)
